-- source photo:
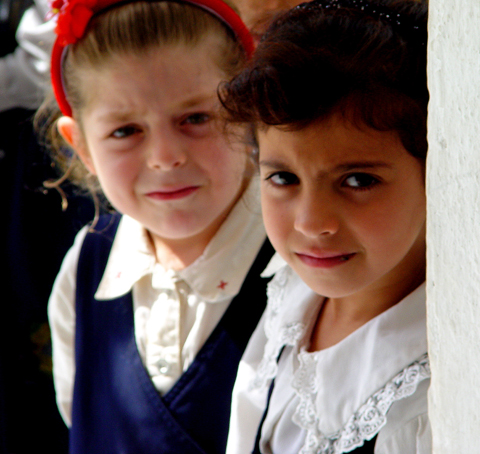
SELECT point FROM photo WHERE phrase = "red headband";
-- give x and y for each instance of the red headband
(74, 16)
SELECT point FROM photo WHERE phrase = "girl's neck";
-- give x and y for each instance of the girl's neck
(176, 255)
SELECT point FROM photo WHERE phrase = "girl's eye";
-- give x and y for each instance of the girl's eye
(197, 119)
(283, 178)
(125, 131)
(360, 181)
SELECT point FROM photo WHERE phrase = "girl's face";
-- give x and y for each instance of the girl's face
(344, 207)
(149, 133)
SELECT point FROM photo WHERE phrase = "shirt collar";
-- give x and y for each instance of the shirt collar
(220, 271)
(215, 276)
(390, 342)
(131, 258)
(275, 264)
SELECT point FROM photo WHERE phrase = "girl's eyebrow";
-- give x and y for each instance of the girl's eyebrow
(273, 164)
(343, 167)
(346, 166)
(192, 102)
(114, 116)
(125, 114)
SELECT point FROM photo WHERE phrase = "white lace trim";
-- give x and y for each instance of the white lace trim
(277, 336)
(362, 425)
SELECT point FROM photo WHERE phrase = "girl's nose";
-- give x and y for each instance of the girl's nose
(316, 215)
(166, 152)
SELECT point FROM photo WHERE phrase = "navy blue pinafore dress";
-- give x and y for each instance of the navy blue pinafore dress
(116, 408)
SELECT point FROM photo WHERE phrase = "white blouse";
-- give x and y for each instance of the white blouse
(174, 311)
(375, 381)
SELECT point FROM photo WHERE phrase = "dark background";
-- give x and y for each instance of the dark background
(35, 235)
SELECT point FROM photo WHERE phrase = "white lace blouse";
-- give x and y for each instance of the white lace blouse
(374, 382)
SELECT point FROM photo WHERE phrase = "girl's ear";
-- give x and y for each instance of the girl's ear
(70, 131)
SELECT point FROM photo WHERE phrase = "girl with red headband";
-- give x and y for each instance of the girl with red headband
(155, 302)
(336, 95)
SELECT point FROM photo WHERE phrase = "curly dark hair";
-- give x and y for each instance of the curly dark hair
(363, 59)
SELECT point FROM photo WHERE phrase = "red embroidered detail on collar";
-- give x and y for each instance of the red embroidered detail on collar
(222, 285)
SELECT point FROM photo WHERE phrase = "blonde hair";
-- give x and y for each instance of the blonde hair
(136, 28)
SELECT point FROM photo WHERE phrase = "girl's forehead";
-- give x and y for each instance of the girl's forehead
(331, 141)
(202, 50)
(335, 125)
(176, 73)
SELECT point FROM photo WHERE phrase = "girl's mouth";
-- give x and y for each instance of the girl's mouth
(325, 260)
(174, 194)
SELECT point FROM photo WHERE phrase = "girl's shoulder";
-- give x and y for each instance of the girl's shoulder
(64, 287)
(66, 277)
(396, 412)
(408, 428)
(100, 237)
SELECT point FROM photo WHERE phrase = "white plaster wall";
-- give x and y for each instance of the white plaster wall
(453, 222)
